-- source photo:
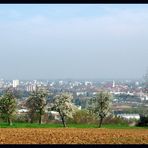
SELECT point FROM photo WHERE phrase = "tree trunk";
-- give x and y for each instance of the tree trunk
(100, 123)
(31, 118)
(63, 121)
(31, 121)
(40, 119)
(9, 121)
(62, 118)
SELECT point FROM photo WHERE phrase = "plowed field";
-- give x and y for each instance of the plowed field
(72, 136)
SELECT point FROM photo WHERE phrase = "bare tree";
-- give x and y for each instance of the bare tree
(63, 105)
(8, 106)
(100, 105)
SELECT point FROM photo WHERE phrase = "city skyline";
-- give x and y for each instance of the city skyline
(73, 41)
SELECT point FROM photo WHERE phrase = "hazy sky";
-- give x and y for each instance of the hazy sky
(73, 41)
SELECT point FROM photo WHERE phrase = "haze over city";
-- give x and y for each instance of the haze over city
(73, 41)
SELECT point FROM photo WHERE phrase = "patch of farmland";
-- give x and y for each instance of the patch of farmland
(72, 136)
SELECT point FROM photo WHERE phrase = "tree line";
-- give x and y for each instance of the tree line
(99, 105)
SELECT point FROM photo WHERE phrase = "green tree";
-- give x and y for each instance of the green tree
(8, 106)
(100, 105)
(36, 104)
(63, 105)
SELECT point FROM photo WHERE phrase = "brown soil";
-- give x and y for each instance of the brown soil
(72, 136)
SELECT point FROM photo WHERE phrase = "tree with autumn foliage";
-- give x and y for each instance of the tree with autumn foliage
(8, 105)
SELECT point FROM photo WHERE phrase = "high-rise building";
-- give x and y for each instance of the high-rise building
(31, 87)
(15, 83)
(113, 84)
(1, 83)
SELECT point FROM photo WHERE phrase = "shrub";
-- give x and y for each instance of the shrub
(22, 118)
(4, 118)
(143, 121)
(83, 116)
(115, 120)
(25, 118)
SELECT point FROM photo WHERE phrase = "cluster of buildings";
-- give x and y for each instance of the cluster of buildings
(80, 87)
(127, 93)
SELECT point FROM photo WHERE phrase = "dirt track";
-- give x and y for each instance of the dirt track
(72, 136)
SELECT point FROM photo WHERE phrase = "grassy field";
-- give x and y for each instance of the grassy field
(56, 125)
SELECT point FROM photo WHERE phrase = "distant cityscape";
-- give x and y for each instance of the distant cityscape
(127, 94)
